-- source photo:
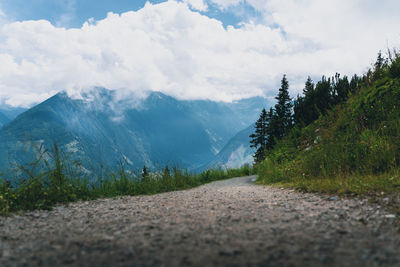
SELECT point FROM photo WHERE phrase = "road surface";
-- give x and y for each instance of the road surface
(225, 223)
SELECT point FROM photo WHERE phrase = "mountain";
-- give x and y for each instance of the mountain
(223, 120)
(235, 153)
(102, 130)
(11, 112)
(8, 113)
(249, 107)
(3, 119)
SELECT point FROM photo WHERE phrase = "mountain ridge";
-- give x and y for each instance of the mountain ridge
(96, 131)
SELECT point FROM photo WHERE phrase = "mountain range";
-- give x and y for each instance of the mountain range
(101, 130)
(3, 119)
(8, 113)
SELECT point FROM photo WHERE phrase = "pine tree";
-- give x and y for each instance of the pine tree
(341, 88)
(299, 108)
(308, 88)
(271, 129)
(283, 110)
(309, 107)
(145, 173)
(259, 138)
(324, 96)
(380, 61)
(379, 65)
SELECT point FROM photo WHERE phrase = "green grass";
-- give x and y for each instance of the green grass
(356, 184)
(354, 149)
(52, 180)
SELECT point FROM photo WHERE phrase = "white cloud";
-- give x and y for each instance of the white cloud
(199, 5)
(169, 48)
(354, 30)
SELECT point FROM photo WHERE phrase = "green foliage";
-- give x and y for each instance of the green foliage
(283, 111)
(357, 184)
(52, 179)
(394, 71)
(359, 137)
(273, 125)
(319, 99)
(271, 130)
(259, 138)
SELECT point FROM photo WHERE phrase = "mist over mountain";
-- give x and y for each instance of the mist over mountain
(100, 131)
(235, 153)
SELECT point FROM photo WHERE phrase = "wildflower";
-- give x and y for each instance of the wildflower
(8, 183)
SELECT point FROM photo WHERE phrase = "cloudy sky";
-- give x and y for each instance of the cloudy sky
(190, 49)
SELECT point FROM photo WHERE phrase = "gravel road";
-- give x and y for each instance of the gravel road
(225, 223)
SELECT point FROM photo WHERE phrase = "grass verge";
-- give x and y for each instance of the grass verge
(46, 183)
(355, 184)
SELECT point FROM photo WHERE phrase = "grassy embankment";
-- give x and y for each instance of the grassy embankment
(46, 183)
(354, 149)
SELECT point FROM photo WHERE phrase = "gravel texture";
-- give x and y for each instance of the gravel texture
(225, 223)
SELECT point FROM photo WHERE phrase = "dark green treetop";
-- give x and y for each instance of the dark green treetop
(283, 110)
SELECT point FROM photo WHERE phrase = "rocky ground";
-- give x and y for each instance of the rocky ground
(226, 223)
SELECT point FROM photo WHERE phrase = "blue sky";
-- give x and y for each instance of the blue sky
(78, 11)
(73, 13)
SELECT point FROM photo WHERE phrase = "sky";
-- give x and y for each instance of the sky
(221, 50)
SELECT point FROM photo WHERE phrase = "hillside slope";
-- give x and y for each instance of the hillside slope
(355, 148)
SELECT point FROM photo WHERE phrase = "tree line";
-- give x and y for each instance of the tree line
(316, 100)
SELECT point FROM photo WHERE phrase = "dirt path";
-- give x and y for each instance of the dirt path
(226, 223)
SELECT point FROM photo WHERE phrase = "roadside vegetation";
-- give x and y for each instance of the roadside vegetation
(343, 137)
(52, 179)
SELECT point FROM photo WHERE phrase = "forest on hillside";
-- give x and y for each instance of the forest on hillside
(340, 131)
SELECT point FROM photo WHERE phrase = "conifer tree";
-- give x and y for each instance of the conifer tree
(324, 96)
(283, 110)
(308, 88)
(259, 138)
(341, 88)
(380, 61)
(145, 173)
(271, 129)
(379, 66)
(300, 111)
(304, 106)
